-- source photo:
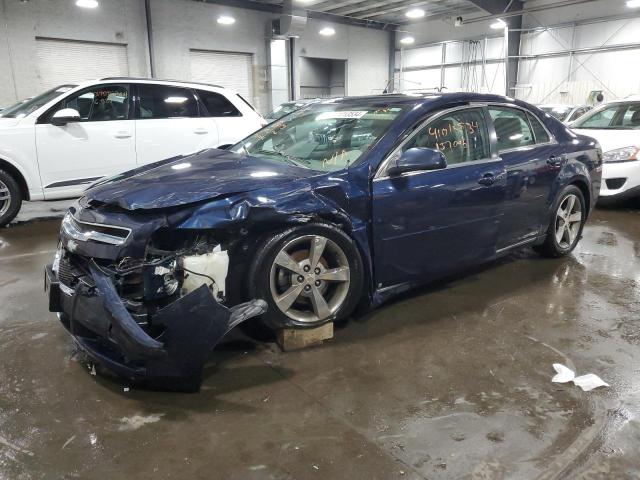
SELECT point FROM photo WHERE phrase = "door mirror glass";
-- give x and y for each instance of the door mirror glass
(418, 159)
(64, 116)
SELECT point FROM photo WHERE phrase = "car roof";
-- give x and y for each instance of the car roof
(155, 81)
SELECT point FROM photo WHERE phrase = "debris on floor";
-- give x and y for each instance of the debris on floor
(137, 421)
(586, 382)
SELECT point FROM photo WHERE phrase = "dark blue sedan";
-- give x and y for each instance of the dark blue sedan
(341, 204)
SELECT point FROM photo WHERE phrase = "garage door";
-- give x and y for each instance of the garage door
(230, 70)
(64, 61)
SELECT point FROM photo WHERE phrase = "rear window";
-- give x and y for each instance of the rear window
(247, 102)
(217, 105)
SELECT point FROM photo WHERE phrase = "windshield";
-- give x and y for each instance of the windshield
(324, 137)
(620, 116)
(561, 113)
(25, 107)
(282, 110)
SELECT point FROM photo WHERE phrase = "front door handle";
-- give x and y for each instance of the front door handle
(201, 131)
(487, 180)
(123, 134)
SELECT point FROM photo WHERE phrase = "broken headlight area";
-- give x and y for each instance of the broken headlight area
(153, 317)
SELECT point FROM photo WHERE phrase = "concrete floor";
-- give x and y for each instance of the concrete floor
(450, 382)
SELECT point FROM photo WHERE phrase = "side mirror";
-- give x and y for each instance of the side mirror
(64, 116)
(418, 159)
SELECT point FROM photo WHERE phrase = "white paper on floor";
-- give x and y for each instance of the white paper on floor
(585, 382)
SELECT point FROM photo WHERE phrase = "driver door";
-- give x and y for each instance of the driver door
(429, 224)
(101, 144)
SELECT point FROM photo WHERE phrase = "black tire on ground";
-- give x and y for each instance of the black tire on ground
(260, 271)
(9, 213)
(551, 247)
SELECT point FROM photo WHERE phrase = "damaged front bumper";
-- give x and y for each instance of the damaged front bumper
(96, 317)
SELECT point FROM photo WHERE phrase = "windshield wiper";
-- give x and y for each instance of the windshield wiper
(289, 158)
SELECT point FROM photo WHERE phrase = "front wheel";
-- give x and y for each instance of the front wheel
(308, 275)
(10, 198)
(567, 222)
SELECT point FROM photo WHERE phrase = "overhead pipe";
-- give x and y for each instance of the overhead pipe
(517, 13)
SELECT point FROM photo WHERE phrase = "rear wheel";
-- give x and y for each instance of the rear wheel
(10, 198)
(308, 275)
(567, 222)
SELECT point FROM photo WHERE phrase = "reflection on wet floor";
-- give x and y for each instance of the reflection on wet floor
(452, 381)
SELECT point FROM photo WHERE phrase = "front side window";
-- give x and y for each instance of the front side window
(512, 128)
(100, 103)
(461, 135)
(327, 137)
(625, 116)
(25, 107)
(164, 101)
(217, 105)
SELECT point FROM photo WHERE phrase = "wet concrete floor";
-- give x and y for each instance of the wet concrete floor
(449, 382)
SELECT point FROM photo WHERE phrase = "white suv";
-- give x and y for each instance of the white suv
(54, 145)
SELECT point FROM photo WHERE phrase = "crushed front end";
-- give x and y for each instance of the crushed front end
(143, 300)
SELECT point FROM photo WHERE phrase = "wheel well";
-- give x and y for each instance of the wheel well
(584, 188)
(15, 173)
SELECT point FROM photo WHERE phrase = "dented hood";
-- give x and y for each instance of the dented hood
(191, 179)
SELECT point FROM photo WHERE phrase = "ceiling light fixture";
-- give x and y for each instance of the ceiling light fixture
(87, 3)
(408, 40)
(226, 20)
(633, 4)
(499, 24)
(415, 13)
(327, 31)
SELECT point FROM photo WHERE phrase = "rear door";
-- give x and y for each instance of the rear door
(101, 144)
(427, 224)
(168, 123)
(532, 159)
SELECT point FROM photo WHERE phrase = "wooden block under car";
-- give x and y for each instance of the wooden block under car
(298, 338)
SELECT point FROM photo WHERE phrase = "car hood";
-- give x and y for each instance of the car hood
(190, 179)
(612, 139)
(8, 122)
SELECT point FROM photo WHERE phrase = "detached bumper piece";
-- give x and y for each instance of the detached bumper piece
(192, 326)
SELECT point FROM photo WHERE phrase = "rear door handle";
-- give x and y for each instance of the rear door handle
(201, 131)
(123, 134)
(487, 180)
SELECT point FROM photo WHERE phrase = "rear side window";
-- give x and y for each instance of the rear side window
(540, 133)
(461, 135)
(217, 105)
(163, 101)
(512, 128)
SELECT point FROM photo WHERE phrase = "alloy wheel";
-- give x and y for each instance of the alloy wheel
(310, 278)
(568, 221)
(5, 198)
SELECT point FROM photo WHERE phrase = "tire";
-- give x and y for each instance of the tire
(10, 198)
(554, 247)
(316, 294)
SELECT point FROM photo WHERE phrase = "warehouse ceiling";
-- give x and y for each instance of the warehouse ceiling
(389, 11)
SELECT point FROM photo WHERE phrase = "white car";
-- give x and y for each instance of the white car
(566, 113)
(616, 126)
(54, 145)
